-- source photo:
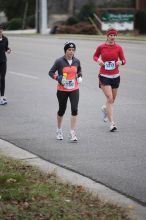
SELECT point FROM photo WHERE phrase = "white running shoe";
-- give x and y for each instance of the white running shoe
(104, 113)
(73, 136)
(113, 127)
(59, 134)
(3, 101)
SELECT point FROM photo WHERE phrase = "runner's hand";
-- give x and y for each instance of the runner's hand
(59, 79)
(119, 63)
(79, 80)
(63, 81)
(100, 62)
(8, 51)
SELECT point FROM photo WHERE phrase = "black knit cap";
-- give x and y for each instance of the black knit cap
(69, 45)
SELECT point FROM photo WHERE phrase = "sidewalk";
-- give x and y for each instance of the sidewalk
(32, 32)
(136, 211)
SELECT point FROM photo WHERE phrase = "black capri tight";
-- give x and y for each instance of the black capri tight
(3, 67)
(62, 100)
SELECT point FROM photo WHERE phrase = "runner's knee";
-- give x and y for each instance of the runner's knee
(61, 112)
(110, 99)
(74, 112)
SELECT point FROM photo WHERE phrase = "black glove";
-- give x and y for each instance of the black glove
(79, 75)
(59, 79)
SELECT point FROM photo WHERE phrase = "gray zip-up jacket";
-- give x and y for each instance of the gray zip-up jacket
(72, 71)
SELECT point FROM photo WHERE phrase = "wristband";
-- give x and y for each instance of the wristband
(122, 62)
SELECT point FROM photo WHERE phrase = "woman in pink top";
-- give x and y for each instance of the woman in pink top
(109, 57)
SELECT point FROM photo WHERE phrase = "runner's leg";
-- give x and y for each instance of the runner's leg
(2, 77)
(62, 100)
(74, 100)
(107, 90)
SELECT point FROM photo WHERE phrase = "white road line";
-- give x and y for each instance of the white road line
(23, 75)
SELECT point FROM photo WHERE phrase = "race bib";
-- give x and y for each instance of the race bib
(110, 65)
(69, 84)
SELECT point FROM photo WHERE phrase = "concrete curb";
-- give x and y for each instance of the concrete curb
(32, 33)
(136, 210)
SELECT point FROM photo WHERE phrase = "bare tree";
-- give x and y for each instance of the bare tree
(71, 7)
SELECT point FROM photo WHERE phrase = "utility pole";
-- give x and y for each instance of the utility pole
(137, 4)
(41, 16)
(71, 7)
(25, 14)
(43, 10)
(38, 16)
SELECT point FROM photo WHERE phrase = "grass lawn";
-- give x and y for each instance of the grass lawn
(28, 194)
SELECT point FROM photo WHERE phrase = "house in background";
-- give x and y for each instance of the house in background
(60, 10)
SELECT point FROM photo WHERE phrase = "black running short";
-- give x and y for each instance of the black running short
(113, 82)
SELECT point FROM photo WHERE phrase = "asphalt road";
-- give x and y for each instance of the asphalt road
(29, 120)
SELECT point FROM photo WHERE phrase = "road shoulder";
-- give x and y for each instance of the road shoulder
(136, 210)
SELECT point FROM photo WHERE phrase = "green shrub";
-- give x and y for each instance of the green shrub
(80, 28)
(31, 21)
(140, 22)
(86, 11)
(15, 24)
(72, 20)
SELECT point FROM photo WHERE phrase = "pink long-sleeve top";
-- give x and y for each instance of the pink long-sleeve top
(109, 55)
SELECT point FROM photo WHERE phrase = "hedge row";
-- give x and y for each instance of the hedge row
(16, 23)
(140, 22)
(79, 28)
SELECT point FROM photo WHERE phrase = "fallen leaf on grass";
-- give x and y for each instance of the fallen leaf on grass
(11, 180)
(79, 189)
(67, 200)
(131, 206)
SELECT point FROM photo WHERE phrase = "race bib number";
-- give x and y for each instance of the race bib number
(110, 65)
(69, 84)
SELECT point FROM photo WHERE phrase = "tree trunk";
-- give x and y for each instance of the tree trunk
(71, 7)
(25, 15)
